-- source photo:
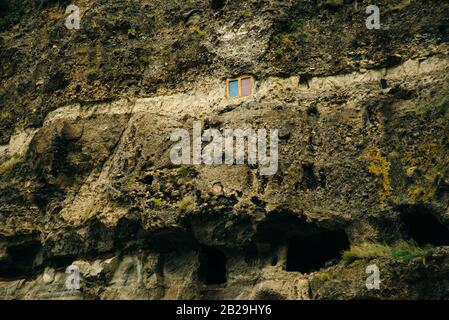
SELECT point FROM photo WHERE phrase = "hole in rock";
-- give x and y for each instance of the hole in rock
(217, 4)
(312, 111)
(304, 79)
(423, 227)
(309, 180)
(322, 174)
(212, 268)
(20, 259)
(310, 253)
(61, 262)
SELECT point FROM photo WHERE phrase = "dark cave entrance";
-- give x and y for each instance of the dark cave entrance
(212, 269)
(20, 259)
(423, 227)
(310, 253)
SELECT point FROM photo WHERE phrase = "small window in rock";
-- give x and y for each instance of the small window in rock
(233, 88)
(239, 87)
(246, 87)
(383, 84)
(310, 253)
(212, 269)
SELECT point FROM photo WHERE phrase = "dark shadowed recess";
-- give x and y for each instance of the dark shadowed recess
(20, 259)
(310, 247)
(421, 225)
(312, 252)
(212, 269)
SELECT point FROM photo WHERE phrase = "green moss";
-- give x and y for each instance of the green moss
(6, 117)
(297, 24)
(185, 171)
(201, 34)
(197, 30)
(403, 255)
(244, 13)
(409, 249)
(163, 52)
(279, 53)
(91, 74)
(186, 203)
(83, 50)
(364, 141)
(322, 39)
(157, 203)
(11, 163)
(277, 38)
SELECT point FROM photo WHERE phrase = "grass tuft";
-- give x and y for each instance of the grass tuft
(402, 250)
(186, 204)
(8, 165)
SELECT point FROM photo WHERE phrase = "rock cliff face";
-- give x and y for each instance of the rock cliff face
(85, 172)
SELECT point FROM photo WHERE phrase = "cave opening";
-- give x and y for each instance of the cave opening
(20, 260)
(312, 252)
(212, 269)
(423, 227)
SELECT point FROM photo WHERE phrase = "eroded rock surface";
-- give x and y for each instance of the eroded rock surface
(86, 177)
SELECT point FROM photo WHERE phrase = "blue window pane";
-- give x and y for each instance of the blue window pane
(234, 88)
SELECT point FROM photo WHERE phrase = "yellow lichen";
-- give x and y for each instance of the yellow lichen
(431, 157)
(380, 166)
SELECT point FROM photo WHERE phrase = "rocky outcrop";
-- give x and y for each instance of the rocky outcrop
(363, 157)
